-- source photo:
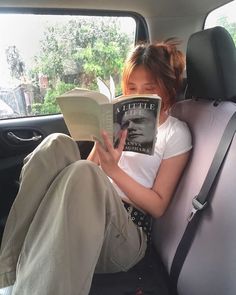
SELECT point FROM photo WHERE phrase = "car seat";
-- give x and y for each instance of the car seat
(210, 266)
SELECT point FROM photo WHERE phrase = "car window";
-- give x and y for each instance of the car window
(43, 56)
(223, 16)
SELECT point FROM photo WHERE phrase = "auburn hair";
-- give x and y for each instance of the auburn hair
(164, 61)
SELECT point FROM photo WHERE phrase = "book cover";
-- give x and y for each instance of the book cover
(87, 112)
(139, 115)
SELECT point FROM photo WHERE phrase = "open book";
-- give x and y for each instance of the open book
(88, 112)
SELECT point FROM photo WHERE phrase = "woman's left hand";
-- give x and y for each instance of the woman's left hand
(108, 155)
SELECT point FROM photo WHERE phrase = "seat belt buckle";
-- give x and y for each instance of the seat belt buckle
(196, 207)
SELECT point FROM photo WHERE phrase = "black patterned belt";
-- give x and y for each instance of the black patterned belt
(140, 218)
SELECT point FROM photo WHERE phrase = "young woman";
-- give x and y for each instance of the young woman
(74, 217)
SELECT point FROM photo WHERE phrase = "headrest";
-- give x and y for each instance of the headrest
(211, 65)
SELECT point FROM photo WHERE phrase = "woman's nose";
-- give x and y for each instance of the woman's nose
(139, 91)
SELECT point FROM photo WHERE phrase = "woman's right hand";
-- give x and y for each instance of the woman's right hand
(108, 155)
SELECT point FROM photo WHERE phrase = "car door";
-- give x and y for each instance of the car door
(18, 137)
(44, 54)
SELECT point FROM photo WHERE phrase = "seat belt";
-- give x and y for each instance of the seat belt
(199, 202)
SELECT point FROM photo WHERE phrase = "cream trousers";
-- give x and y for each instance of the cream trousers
(66, 223)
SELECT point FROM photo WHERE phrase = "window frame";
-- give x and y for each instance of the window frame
(216, 8)
(141, 33)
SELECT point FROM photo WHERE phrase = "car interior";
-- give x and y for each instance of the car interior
(193, 244)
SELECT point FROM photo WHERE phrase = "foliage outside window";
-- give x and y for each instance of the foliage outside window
(223, 16)
(47, 55)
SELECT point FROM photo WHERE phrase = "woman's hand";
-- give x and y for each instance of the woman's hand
(108, 155)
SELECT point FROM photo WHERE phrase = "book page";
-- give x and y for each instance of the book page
(140, 116)
(79, 93)
(103, 88)
(107, 119)
(82, 117)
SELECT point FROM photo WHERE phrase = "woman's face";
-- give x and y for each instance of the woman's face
(142, 82)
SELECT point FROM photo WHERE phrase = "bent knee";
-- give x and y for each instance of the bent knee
(58, 138)
(86, 168)
(62, 144)
(88, 173)
(85, 183)
(84, 178)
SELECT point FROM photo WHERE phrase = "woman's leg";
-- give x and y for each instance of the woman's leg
(80, 217)
(40, 169)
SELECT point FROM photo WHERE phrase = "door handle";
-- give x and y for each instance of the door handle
(16, 138)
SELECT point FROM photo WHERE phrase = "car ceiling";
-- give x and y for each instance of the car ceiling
(148, 8)
(164, 18)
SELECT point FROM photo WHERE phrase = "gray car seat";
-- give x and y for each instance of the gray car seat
(210, 266)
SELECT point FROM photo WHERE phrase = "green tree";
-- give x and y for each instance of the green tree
(50, 106)
(83, 48)
(102, 60)
(77, 52)
(228, 25)
(15, 62)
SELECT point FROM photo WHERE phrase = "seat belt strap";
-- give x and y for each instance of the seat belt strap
(200, 202)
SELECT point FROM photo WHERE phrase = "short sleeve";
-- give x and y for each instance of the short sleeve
(179, 140)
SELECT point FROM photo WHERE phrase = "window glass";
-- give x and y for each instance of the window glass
(223, 16)
(43, 56)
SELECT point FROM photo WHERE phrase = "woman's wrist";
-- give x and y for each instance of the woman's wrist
(114, 173)
(93, 156)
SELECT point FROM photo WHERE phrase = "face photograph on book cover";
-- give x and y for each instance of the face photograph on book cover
(140, 123)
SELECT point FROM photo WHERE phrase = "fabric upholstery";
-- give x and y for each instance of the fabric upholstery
(211, 59)
(210, 264)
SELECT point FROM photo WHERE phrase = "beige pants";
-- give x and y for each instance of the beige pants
(67, 221)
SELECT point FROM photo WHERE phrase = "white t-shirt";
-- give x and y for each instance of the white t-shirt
(173, 138)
